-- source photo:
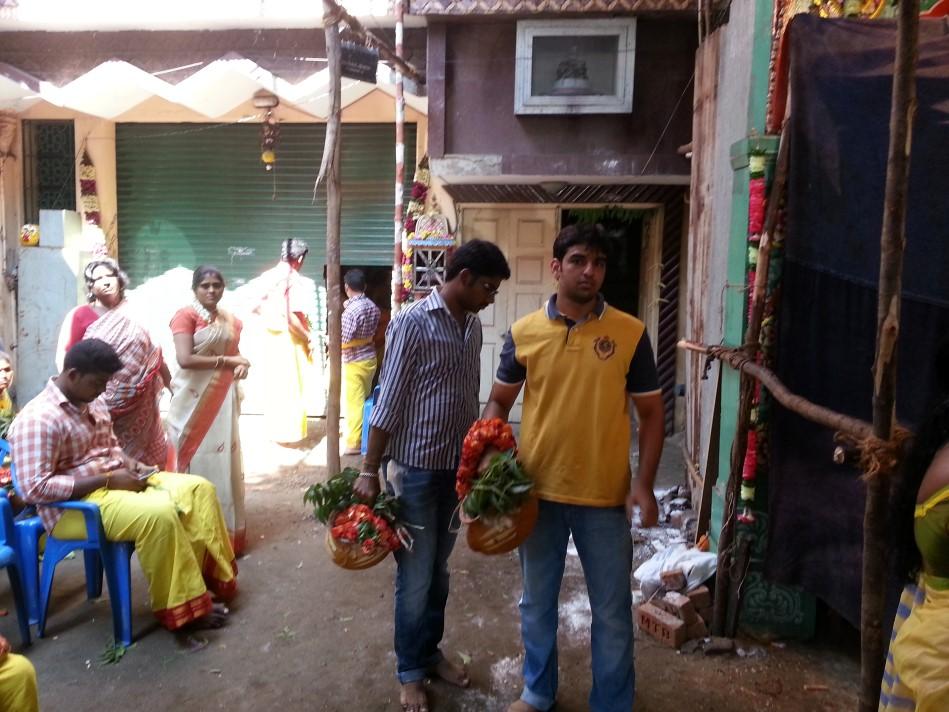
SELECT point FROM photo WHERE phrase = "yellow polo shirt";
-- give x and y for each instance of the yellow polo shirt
(575, 429)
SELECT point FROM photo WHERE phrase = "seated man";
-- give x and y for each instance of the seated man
(17, 681)
(64, 449)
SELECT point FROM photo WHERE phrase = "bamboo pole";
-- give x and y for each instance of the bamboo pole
(892, 244)
(333, 206)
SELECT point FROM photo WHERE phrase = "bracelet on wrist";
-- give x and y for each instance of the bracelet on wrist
(371, 475)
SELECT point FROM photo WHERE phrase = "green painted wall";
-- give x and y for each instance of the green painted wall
(767, 609)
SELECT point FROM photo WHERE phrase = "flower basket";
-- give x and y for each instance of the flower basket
(501, 533)
(358, 536)
(495, 492)
(350, 555)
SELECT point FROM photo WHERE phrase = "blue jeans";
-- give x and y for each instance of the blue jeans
(602, 538)
(427, 502)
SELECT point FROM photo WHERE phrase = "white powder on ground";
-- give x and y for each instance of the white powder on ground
(506, 673)
(575, 615)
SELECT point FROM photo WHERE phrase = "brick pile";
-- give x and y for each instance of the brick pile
(673, 617)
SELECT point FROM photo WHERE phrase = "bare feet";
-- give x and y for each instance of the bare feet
(456, 675)
(217, 618)
(413, 697)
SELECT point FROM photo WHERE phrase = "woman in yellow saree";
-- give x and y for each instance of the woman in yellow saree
(203, 418)
(917, 666)
(285, 309)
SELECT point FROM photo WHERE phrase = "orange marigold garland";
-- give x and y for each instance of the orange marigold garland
(482, 434)
(495, 493)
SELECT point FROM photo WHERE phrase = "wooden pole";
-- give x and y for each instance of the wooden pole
(892, 244)
(334, 300)
(726, 538)
(399, 162)
(737, 359)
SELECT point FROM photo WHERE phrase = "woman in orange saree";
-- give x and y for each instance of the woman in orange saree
(203, 418)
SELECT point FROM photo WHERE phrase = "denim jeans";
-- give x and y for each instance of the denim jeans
(603, 541)
(427, 502)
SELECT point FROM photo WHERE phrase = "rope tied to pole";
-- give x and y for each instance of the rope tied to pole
(875, 456)
(334, 17)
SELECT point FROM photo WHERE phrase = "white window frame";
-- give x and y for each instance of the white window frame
(624, 28)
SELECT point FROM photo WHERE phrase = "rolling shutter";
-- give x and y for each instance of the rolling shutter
(191, 194)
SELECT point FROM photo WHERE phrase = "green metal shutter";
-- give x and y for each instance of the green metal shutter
(191, 194)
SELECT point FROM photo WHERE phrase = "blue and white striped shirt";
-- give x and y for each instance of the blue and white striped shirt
(429, 384)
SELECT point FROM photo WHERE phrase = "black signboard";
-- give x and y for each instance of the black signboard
(359, 62)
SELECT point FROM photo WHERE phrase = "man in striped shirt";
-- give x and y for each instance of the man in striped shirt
(360, 319)
(428, 400)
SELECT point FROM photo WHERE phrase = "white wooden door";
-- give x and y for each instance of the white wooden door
(526, 236)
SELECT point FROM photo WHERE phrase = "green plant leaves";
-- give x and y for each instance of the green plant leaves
(336, 494)
(500, 489)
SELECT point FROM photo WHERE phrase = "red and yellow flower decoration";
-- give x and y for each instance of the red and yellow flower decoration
(482, 435)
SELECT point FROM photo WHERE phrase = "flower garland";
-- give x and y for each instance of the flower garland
(206, 315)
(482, 434)
(88, 191)
(421, 183)
(269, 133)
(757, 189)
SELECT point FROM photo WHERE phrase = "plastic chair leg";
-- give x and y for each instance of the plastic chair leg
(118, 572)
(28, 548)
(22, 613)
(55, 552)
(93, 564)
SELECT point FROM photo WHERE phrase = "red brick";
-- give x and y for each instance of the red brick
(662, 626)
(673, 580)
(680, 606)
(701, 597)
(698, 629)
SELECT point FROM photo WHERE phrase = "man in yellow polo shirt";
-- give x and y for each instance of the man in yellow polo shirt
(580, 361)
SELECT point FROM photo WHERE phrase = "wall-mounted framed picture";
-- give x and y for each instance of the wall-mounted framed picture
(575, 66)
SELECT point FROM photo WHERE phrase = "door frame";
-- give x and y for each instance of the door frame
(650, 270)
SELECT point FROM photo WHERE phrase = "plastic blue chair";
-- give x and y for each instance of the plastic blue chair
(366, 412)
(99, 554)
(10, 561)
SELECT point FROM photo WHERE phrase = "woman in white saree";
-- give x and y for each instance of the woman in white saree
(204, 411)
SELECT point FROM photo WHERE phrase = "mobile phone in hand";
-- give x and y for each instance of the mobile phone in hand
(148, 473)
